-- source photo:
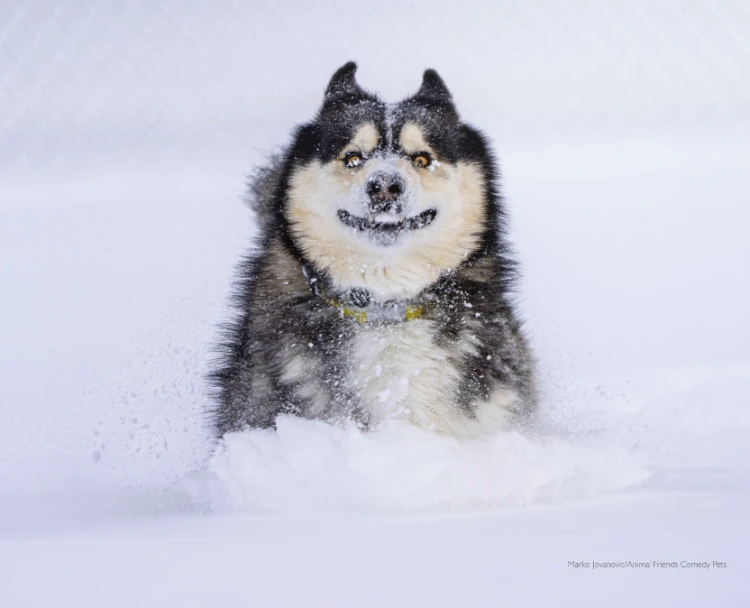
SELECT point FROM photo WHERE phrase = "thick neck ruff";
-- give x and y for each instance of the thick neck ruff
(357, 304)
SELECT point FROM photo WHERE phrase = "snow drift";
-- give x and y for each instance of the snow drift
(310, 465)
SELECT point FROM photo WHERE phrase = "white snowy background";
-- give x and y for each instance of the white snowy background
(127, 128)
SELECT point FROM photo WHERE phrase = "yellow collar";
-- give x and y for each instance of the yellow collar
(380, 313)
(368, 312)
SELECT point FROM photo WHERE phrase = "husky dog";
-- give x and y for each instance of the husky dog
(380, 285)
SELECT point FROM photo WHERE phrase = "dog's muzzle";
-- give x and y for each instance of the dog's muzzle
(386, 206)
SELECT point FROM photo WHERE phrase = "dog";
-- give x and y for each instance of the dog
(380, 286)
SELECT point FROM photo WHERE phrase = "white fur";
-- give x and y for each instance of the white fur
(301, 371)
(399, 372)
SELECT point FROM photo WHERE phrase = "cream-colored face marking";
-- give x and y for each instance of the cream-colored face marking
(412, 140)
(416, 258)
(365, 140)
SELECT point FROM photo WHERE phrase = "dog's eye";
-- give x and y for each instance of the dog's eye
(353, 159)
(422, 160)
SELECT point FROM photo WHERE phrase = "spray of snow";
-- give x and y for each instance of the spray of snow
(309, 465)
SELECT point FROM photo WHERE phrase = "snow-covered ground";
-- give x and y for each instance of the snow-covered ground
(624, 148)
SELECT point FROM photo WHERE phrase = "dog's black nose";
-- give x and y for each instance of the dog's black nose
(384, 190)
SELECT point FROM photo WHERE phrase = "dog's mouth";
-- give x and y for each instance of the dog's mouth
(386, 225)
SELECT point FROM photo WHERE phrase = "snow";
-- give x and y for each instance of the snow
(120, 223)
(310, 466)
(476, 560)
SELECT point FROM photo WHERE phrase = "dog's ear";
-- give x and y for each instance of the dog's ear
(433, 87)
(343, 81)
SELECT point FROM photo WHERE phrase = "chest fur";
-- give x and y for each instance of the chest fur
(400, 371)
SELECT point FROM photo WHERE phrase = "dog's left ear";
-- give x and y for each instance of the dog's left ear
(343, 81)
(433, 87)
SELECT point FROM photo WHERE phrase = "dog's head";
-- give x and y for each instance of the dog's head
(387, 197)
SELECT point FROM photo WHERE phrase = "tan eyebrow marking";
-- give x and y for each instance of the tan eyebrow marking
(365, 140)
(412, 139)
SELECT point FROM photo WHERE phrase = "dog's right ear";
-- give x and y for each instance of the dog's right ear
(343, 81)
(433, 87)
